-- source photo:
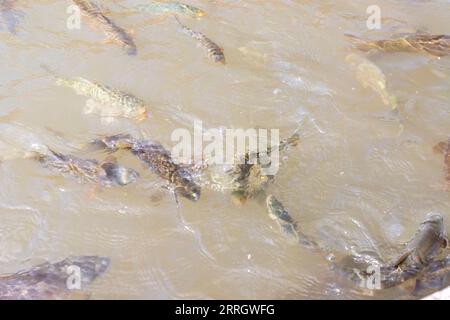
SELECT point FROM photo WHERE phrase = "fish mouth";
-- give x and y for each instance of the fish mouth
(191, 194)
(434, 218)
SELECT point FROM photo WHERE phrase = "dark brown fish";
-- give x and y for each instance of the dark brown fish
(435, 45)
(214, 52)
(419, 253)
(113, 32)
(159, 161)
(444, 148)
(435, 277)
(52, 281)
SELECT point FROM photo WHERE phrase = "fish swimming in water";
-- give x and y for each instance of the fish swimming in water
(444, 148)
(248, 180)
(103, 100)
(214, 52)
(370, 76)
(286, 223)
(107, 172)
(435, 277)
(51, 281)
(435, 45)
(427, 244)
(10, 15)
(169, 8)
(159, 161)
(113, 32)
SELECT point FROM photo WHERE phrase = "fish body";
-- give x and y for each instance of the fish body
(435, 277)
(158, 159)
(248, 179)
(50, 281)
(213, 51)
(89, 170)
(113, 32)
(427, 244)
(170, 8)
(444, 148)
(104, 100)
(286, 223)
(371, 76)
(435, 45)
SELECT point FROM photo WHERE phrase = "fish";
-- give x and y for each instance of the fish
(427, 244)
(435, 277)
(170, 8)
(213, 51)
(158, 159)
(287, 224)
(51, 281)
(434, 45)
(444, 148)
(10, 15)
(103, 100)
(371, 76)
(247, 179)
(90, 170)
(114, 33)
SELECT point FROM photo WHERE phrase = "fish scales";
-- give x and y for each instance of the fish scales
(113, 32)
(214, 52)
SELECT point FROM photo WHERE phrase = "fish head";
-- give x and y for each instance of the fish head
(218, 58)
(192, 11)
(118, 174)
(114, 143)
(435, 220)
(188, 189)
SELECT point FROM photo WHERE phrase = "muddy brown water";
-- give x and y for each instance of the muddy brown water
(354, 183)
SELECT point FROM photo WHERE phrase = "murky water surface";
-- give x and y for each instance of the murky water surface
(355, 182)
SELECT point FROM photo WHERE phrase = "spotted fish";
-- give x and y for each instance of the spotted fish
(90, 170)
(103, 100)
(370, 76)
(113, 32)
(51, 281)
(248, 179)
(159, 161)
(214, 52)
(435, 45)
(286, 223)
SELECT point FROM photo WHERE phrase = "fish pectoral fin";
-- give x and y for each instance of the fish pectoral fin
(397, 262)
